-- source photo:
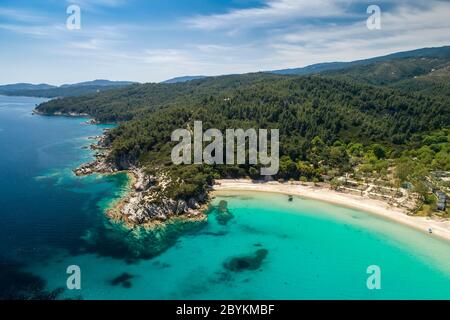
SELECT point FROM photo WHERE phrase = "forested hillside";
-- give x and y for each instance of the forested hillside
(427, 53)
(426, 75)
(327, 126)
(389, 72)
(123, 104)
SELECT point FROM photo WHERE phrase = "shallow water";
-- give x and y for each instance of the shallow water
(265, 247)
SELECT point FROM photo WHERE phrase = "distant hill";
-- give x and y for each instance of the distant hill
(24, 86)
(427, 74)
(311, 69)
(66, 90)
(437, 53)
(434, 83)
(440, 52)
(425, 71)
(183, 79)
(389, 72)
(99, 83)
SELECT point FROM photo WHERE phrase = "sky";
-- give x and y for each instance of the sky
(154, 40)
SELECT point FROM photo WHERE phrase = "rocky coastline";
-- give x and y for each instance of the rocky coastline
(101, 164)
(63, 114)
(145, 203)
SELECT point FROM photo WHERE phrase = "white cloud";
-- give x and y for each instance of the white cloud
(274, 11)
(406, 25)
(33, 30)
(402, 29)
(289, 33)
(98, 3)
(19, 15)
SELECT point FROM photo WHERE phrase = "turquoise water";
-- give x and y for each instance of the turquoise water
(269, 248)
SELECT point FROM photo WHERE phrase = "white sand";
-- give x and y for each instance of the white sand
(440, 227)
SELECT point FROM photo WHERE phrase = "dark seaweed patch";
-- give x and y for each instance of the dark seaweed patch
(120, 243)
(16, 284)
(162, 265)
(123, 280)
(215, 234)
(251, 262)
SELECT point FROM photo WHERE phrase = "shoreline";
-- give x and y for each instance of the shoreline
(114, 210)
(135, 180)
(440, 227)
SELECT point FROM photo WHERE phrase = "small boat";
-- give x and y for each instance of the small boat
(291, 198)
(430, 230)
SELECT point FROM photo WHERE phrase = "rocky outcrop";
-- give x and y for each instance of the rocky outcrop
(223, 215)
(92, 121)
(37, 111)
(146, 201)
(99, 165)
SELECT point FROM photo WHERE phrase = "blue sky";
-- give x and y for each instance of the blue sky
(153, 40)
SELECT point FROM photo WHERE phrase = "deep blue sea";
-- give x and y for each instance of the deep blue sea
(266, 247)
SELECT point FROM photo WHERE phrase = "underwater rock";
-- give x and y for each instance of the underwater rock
(162, 265)
(215, 234)
(119, 242)
(223, 215)
(252, 262)
(123, 280)
(223, 277)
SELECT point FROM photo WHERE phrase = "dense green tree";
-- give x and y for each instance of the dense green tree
(327, 126)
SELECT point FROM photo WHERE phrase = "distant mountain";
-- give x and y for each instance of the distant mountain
(311, 69)
(439, 52)
(183, 79)
(412, 70)
(425, 71)
(99, 83)
(25, 86)
(392, 71)
(421, 71)
(66, 90)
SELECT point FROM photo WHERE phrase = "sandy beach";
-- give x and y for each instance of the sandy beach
(439, 227)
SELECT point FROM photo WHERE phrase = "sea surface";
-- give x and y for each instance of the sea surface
(253, 246)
